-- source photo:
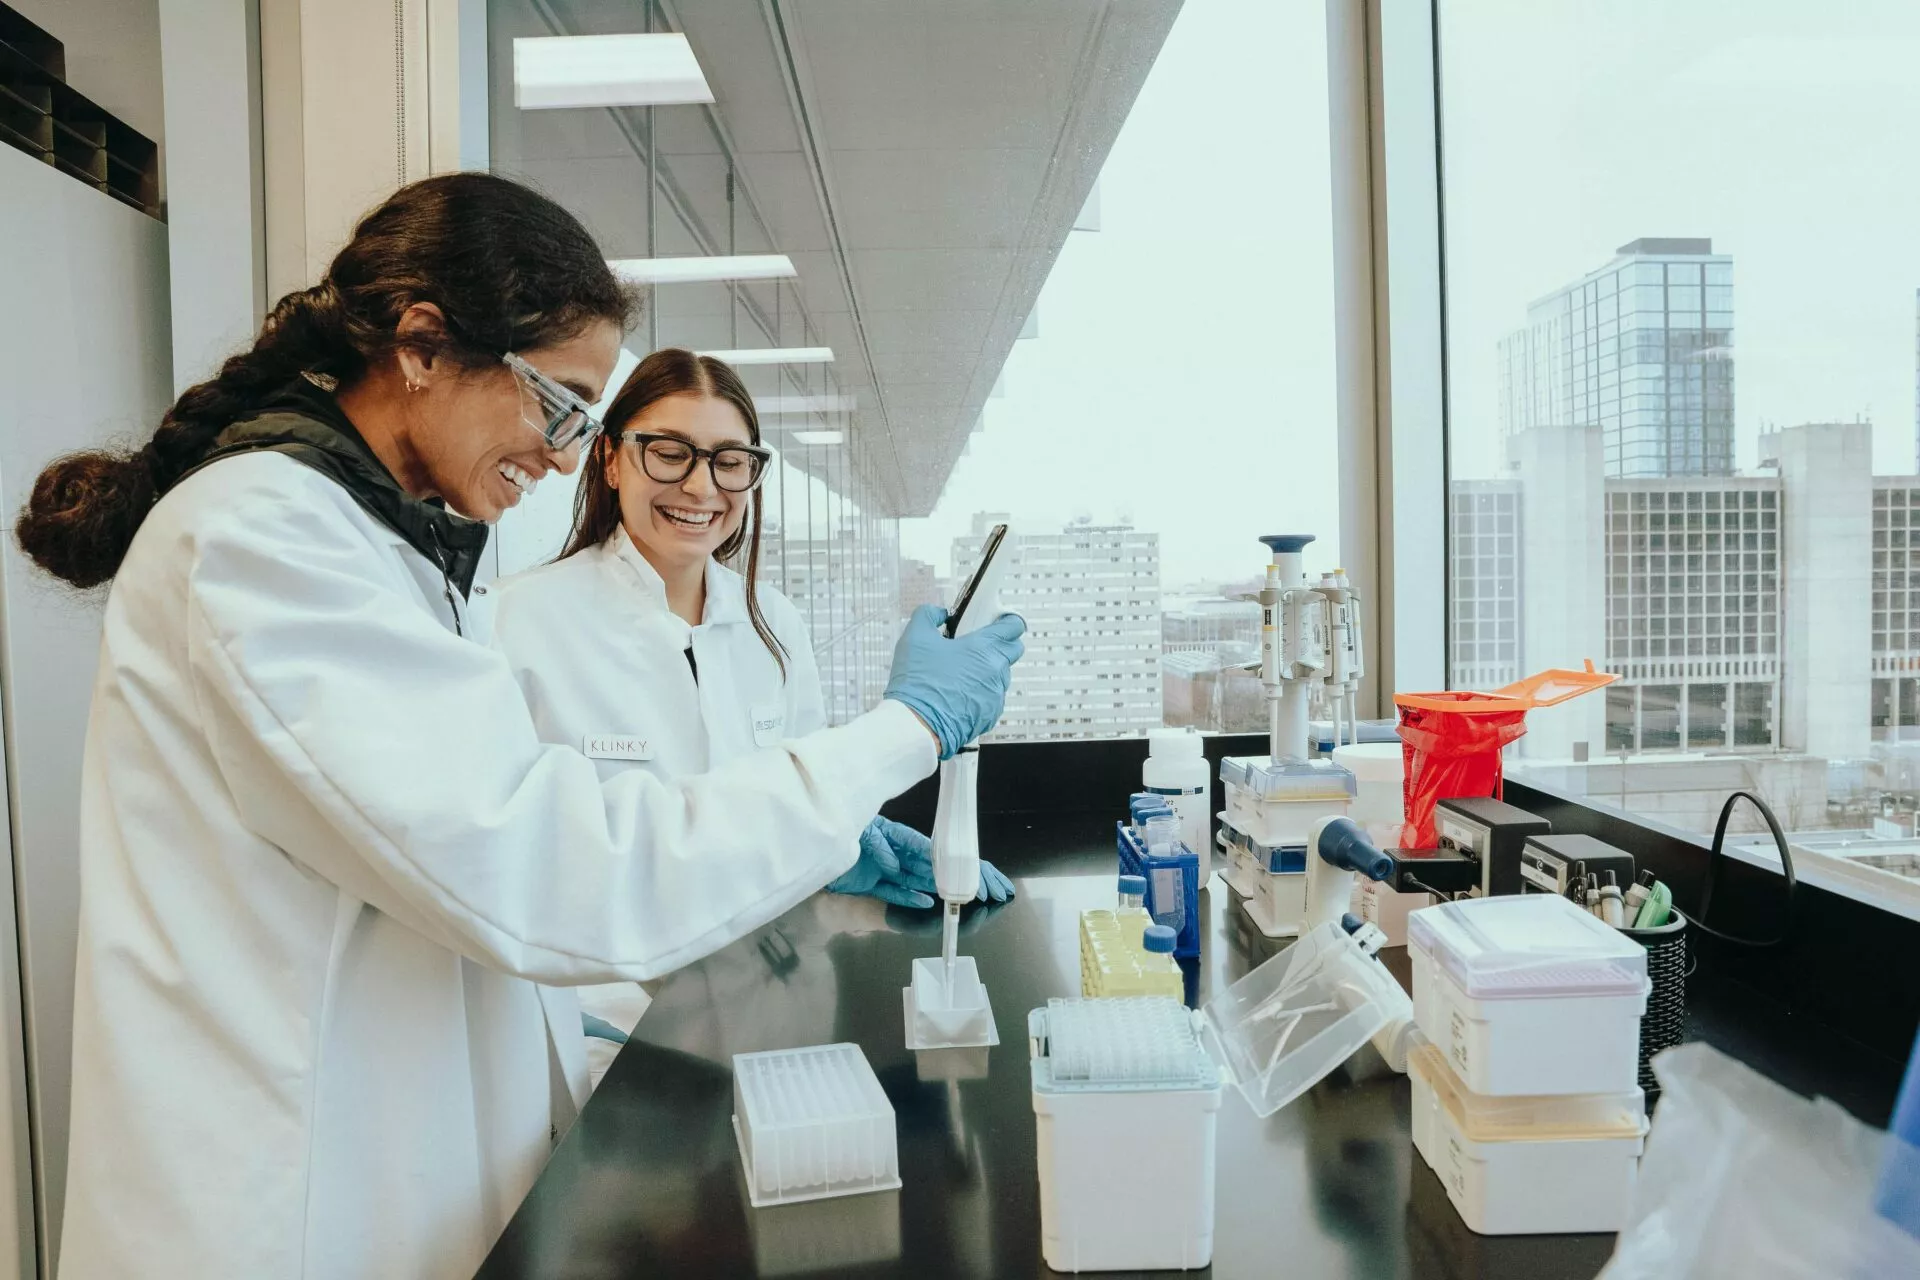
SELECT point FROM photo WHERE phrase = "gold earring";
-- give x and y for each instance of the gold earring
(412, 386)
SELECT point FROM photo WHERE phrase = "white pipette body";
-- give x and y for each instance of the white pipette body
(956, 827)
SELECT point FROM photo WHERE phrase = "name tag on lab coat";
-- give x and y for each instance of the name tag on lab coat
(769, 724)
(617, 746)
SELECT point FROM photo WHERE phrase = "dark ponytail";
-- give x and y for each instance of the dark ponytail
(509, 269)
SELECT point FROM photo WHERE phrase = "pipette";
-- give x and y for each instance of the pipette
(956, 830)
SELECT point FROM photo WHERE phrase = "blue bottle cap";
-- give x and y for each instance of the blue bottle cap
(1157, 937)
(1135, 885)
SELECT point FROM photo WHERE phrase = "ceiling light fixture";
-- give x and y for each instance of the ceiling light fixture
(818, 437)
(746, 266)
(606, 71)
(775, 355)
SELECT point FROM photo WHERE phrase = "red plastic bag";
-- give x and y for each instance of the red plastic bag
(1452, 741)
(1449, 754)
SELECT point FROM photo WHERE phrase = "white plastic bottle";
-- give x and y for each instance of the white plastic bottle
(1176, 769)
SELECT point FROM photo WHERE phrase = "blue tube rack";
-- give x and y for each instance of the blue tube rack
(1136, 861)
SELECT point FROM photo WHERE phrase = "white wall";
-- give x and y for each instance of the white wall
(113, 55)
(85, 356)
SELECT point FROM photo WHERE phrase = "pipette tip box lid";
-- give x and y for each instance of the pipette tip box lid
(812, 1123)
(1528, 945)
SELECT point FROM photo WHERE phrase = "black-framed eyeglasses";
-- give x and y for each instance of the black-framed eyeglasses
(735, 468)
(565, 419)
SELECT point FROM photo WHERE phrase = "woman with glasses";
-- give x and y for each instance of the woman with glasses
(652, 642)
(327, 866)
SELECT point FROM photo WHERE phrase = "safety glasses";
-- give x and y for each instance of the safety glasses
(563, 417)
(735, 468)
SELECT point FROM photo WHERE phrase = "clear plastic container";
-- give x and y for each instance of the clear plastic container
(1295, 1018)
(812, 1123)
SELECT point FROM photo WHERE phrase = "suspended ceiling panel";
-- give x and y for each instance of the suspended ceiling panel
(921, 161)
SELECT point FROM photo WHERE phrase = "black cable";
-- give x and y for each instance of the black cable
(1717, 851)
(1419, 887)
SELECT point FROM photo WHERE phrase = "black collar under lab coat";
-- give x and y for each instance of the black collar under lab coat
(306, 423)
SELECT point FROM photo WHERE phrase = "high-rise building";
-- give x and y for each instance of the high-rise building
(1641, 348)
(1693, 610)
(848, 589)
(1090, 595)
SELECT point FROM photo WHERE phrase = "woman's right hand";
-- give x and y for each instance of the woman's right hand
(957, 687)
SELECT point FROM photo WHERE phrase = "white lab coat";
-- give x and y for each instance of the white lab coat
(324, 860)
(603, 663)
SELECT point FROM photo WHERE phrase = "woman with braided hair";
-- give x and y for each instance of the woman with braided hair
(326, 862)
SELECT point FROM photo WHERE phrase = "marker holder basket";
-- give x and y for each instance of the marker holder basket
(1665, 1022)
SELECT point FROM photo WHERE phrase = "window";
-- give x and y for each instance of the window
(1667, 372)
(1009, 271)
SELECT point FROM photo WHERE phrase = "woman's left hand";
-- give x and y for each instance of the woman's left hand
(912, 853)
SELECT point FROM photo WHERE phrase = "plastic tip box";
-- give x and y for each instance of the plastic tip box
(812, 1123)
(1528, 994)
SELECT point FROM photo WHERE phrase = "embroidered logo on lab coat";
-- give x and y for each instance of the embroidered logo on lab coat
(617, 746)
(769, 724)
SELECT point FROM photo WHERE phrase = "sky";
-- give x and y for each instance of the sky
(1783, 130)
(1183, 374)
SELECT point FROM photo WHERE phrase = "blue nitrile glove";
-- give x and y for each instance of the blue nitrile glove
(958, 687)
(601, 1029)
(877, 874)
(915, 855)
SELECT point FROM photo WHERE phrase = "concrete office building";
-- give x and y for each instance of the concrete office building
(1091, 597)
(919, 584)
(1641, 348)
(1721, 601)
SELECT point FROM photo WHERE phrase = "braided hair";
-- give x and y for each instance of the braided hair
(508, 268)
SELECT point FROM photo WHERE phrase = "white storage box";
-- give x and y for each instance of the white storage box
(1529, 994)
(1124, 1089)
(1277, 804)
(1527, 1166)
(812, 1123)
(1113, 1080)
